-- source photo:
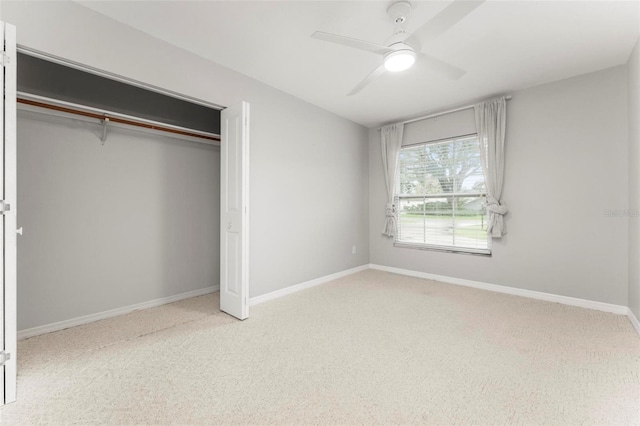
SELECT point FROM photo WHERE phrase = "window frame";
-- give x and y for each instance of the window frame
(437, 247)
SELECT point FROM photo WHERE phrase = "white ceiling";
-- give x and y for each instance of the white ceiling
(503, 45)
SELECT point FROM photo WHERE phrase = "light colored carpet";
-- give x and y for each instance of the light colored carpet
(371, 348)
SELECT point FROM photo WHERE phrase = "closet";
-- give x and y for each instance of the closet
(119, 193)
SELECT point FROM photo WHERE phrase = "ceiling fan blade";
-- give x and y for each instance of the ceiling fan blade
(351, 42)
(448, 70)
(446, 19)
(368, 79)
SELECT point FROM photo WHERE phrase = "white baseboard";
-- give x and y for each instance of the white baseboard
(61, 325)
(634, 321)
(305, 285)
(565, 300)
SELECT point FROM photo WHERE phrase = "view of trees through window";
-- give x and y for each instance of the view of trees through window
(441, 195)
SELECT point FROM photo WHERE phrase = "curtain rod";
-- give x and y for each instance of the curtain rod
(449, 111)
(85, 111)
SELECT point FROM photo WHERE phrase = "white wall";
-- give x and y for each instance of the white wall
(633, 82)
(309, 167)
(566, 163)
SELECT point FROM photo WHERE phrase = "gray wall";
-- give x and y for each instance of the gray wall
(633, 81)
(108, 226)
(309, 168)
(309, 195)
(566, 163)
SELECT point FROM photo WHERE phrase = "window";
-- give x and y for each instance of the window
(441, 197)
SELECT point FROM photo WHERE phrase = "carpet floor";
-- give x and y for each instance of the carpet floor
(370, 348)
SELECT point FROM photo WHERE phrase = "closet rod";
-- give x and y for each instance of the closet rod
(114, 118)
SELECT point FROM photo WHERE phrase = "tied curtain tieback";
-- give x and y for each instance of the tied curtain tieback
(390, 219)
(495, 207)
(390, 210)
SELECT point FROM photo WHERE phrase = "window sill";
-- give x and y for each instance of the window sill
(445, 249)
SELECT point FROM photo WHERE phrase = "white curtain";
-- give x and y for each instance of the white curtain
(491, 119)
(391, 138)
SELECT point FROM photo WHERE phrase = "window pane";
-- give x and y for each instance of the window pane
(440, 165)
(469, 166)
(439, 222)
(471, 222)
(411, 214)
(412, 171)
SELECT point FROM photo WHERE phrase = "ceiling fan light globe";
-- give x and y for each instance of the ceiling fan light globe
(399, 60)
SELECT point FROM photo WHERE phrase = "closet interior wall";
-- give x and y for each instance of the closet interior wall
(111, 225)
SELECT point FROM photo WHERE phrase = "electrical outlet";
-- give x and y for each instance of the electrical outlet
(353, 250)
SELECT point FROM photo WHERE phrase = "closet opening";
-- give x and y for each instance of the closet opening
(118, 195)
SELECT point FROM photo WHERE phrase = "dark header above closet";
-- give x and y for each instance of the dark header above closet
(43, 78)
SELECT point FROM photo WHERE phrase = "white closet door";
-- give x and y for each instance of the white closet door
(8, 173)
(234, 217)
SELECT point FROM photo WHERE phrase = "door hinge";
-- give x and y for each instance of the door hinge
(4, 357)
(4, 207)
(5, 59)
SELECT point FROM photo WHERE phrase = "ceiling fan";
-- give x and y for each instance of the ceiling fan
(403, 49)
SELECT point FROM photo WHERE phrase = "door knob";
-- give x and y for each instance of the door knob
(19, 231)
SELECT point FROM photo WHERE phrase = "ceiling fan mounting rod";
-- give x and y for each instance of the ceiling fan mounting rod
(399, 12)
